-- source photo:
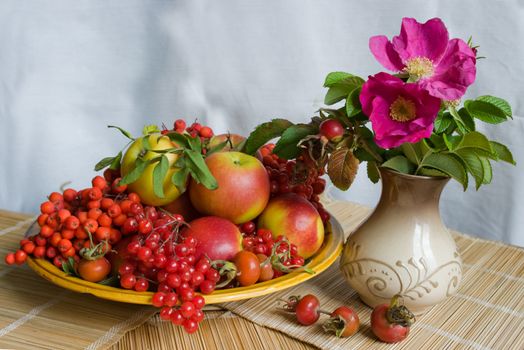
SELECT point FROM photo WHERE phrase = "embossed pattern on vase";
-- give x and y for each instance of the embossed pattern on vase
(403, 247)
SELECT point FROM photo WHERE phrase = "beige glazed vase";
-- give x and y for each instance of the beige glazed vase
(403, 247)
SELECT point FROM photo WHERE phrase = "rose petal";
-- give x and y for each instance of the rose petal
(428, 39)
(383, 51)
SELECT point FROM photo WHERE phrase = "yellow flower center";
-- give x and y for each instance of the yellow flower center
(419, 67)
(402, 110)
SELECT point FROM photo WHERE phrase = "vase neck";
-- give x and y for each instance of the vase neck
(410, 191)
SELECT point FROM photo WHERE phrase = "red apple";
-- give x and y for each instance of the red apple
(218, 139)
(182, 205)
(216, 237)
(294, 217)
(243, 188)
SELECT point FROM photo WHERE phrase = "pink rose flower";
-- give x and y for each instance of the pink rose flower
(423, 50)
(399, 112)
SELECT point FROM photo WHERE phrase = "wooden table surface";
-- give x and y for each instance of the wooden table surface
(487, 313)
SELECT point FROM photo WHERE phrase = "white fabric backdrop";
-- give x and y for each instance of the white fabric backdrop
(69, 68)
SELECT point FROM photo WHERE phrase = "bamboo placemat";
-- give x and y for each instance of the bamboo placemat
(487, 313)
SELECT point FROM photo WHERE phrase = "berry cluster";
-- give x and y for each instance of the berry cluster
(282, 255)
(295, 176)
(73, 220)
(195, 129)
(161, 256)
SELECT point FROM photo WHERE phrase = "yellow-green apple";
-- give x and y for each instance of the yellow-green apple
(217, 238)
(218, 139)
(144, 185)
(243, 187)
(294, 217)
(182, 205)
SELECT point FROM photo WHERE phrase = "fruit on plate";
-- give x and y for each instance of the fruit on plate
(243, 187)
(143, 186)
(235, 140)
(295, 217)
(217, 238)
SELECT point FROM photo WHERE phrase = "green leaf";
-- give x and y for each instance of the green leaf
(443, 122)
(150, 129)
(436, 142)
(179, 139)
(448, 164)
(146, 144)
(467, 119)
(488, 171)
(198, 168)
(431, 172)
(502, 152)
(400, 164)
(363, 155)
(335, 77)
(194, 143)
(336, 94)
(124, 132)
(264, 133)
(133, 175)
(413, 152)
(353, 106)
(159, 174)
(472, 140)
(372, 171)
(116, 162)
(179, 179)
(458, 121)
(485, 111)
(473, 164)
(287, 146)
(68, 266)
(112, 281)
(498, 102)
(104, 163)
(218, 148)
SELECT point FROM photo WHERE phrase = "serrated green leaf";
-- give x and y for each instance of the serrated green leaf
(104, 163)
(502, 152)
(335, 77)
(473, 164)
(264, 133)
(485, 111)
(400, 164)
(413, 152)
(498, 102)
(353, 106)
(336, 94)
(124, 132)
(116, 162)
(372, 171)
(217, 148)
(287, 146)
(467, 119)
(488, 171)
(458, 121)
(431, 172)
(150, 129)
(133, 175)
(199, 170)
(443, 122)
(448, 164)
(159, 174)
(472, 140)
(179, 179)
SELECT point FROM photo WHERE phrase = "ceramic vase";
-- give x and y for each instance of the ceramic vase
(403, 246)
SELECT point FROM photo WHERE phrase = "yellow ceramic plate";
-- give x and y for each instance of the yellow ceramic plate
(327, 254)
